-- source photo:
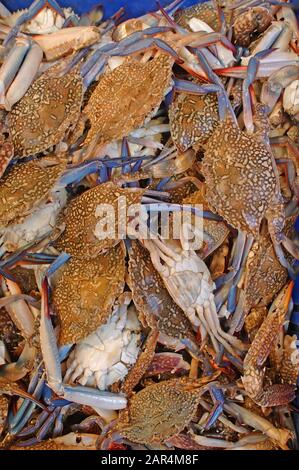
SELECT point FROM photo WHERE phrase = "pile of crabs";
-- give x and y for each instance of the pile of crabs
(141, 340)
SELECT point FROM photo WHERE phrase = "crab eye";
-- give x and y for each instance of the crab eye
(78, 439)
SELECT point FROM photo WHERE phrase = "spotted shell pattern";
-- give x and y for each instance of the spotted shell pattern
(193, 119)
(125, 97)
(48, 109)
(240, 179)
(85, 293)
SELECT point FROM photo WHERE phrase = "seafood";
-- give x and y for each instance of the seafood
(85, 292)
(51, 106)
(149, 184)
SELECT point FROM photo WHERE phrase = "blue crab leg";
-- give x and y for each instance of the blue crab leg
(11, 65)
(71, 21)
(218, 400)
(252, 70)
(170, 20)
(126, 154)
(96, 70)
(46, 426)
(284, 262)
(237, 253)
(32, 389)
(50, 401)
(30, 13)
(147, 44)
(25, 412)
(7, 275)
(29, 430)
(77, 394)
(58, 427)
(174, 6)
(193, 88)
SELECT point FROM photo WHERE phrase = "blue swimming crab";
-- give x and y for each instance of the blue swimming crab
(287, 367)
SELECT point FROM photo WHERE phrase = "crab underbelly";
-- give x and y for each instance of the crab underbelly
(107, 354)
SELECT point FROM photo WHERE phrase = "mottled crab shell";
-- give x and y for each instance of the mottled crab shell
(159, 411)
(153, 301)
(6, 154)
(125, 97)
(193, 119)
(85, 292)
(204, 11)
(240, 178)
(24, 187)
(265, 276)
(50, 107)
(81, 217)
(250, 24)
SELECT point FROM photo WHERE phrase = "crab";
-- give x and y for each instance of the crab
(47, 111)
(156, 307)
(31, 199)
(192, 120)
(264, 275)
(43, 16)
(265, 339)
(82, 236)
(250, 24)
(105, 356)
(161, 410)
(241, 178)
(203, 11)
(85, 291)
(123, 88)
(180, 268)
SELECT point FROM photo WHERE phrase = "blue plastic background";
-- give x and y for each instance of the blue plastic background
(133, 8)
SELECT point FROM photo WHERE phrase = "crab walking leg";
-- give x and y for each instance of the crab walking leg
(77, 394)
(24, 77)
(11, 65)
